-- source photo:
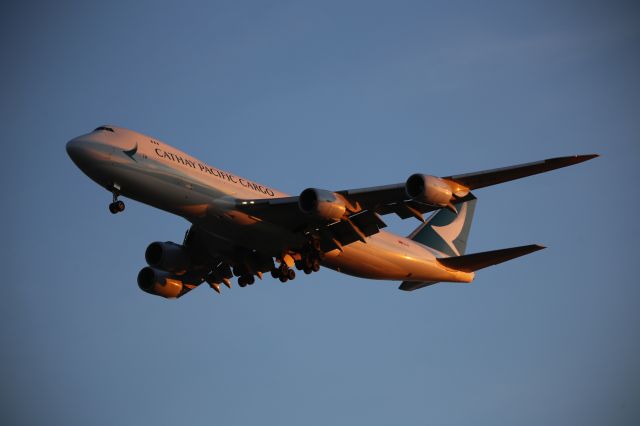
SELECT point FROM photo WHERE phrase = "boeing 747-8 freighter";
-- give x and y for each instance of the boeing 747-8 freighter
(243, 228)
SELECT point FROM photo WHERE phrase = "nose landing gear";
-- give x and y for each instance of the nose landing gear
(116, 206)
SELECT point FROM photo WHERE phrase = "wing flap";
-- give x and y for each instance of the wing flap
(369, 222)
(356, 228)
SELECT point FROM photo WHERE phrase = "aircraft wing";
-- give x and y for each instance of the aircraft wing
(365, 205)
(495, 176)
(388, 199)
(285, 212)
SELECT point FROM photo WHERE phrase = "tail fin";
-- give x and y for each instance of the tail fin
(447, 231)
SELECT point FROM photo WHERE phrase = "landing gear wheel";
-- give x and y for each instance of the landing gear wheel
(291, 274)
(116, 206)
(307, 271)
(283, 279)
(308, 263)
(275, 273)
(250, 280)
(315, 265)
(242, 282)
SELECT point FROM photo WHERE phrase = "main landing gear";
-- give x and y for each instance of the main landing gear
(283, 273)
(244, 280)
(116, 206)
(310, 265)
(310, 259)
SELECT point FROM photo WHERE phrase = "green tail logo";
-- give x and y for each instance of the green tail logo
(447, 231)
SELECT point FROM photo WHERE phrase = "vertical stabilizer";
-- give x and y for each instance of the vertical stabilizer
(447, 231)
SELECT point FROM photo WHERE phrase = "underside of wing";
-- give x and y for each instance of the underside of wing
(342, 217)
(505, 174)
(389, 199)
(335, 222)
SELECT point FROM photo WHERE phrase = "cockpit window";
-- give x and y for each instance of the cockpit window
(108, 129)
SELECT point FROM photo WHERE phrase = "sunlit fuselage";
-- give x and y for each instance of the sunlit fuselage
(154, 173)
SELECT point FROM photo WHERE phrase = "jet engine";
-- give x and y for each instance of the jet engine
(161, 283)
(168, 256)
(322, 203)
(429, 189)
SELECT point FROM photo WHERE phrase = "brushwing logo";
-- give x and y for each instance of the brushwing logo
(131, 152)
(447, 231)
(452, 230)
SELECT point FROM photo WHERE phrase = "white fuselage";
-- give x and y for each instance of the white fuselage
(147, 170)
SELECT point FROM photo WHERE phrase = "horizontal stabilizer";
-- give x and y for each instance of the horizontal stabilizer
(414, 285)
(505, 174)
(476, 261)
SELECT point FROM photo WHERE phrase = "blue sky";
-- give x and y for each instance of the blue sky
(333, 95)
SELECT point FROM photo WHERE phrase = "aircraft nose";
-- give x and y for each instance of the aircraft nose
(74, 148)
(77, 150)
(92, 156)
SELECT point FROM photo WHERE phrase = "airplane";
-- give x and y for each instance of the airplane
(245, 229)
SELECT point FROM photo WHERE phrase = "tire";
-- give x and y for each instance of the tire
(291, 274)
(120, 206)
(112, 208)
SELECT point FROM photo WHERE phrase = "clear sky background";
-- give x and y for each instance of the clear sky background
(334, 95)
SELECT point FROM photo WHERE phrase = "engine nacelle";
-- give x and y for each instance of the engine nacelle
(168, 256)
(322, 203)
(160, 283)
(429, 189)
